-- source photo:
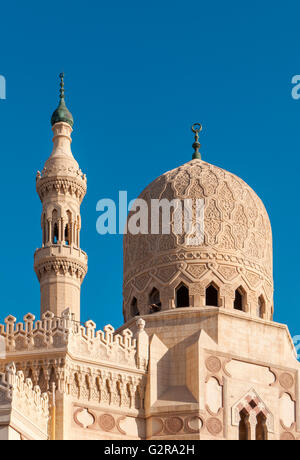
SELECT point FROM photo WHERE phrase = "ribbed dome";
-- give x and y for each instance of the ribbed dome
(236, 252)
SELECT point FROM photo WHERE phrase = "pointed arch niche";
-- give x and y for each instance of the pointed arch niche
(240, 299)
(212, 297)
(261, 307)
(182, 296)
(134, 307)
(154, 300)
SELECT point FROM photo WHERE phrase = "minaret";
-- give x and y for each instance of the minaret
(60, 264)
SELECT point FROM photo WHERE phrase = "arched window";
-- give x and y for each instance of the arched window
(182, 296)
(261, 307)
(244, 427)
(55, 236)
(261, 430)
(154, 300)
(239, 301)
(67, 240)
(44, 229)
(55, 233)
(69, 229)
(134, 307)
(212, 296)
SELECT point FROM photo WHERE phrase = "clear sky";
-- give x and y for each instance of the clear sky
(138, 74)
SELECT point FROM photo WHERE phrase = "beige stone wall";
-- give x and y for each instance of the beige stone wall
(182, 375)
(24, 410)
(201, 375)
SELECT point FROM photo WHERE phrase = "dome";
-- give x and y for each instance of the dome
(62, 114)
(230, 268)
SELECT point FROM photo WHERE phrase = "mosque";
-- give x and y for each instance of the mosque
(198, 356)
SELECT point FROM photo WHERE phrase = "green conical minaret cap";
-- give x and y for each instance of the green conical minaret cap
(62, 114)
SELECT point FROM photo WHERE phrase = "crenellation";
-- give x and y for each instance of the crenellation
(22, 403)
(52, 333)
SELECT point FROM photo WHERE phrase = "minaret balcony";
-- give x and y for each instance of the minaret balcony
(60, 250)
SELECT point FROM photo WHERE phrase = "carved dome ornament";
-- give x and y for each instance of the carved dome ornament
(286, 380)
(213, 364)
(214, 426)
(236, 250)
(174, 424)
(107, 422)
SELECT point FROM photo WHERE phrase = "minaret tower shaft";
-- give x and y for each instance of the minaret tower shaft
(60, 264)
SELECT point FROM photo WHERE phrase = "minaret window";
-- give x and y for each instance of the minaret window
(244, 427)
(68, 237)
(67, 240)
(134, 307)
(44, 229)
(55, 233)
(154, 301)
(212, 296)
(239, 301)
(182, 296)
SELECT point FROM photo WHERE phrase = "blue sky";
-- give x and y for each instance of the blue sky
(138, 74)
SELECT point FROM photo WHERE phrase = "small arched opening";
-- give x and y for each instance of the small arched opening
(69, 229)
(261, 307)
(244, 426)
(154, 300)
(134, 307)
(212, 296)
(67, 240)
(261, 430)
(55, 233)
(240, 299)
(182, 296)
(44, 229)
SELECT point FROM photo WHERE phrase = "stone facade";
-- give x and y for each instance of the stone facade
(24, 410)
(94, 372)
(199, 355)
